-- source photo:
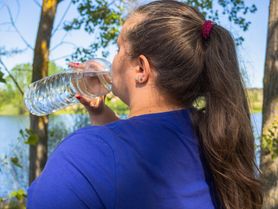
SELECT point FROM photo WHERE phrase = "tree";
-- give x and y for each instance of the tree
(39, 125)
(269, 142)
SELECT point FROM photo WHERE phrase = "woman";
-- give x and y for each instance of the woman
(167, 154)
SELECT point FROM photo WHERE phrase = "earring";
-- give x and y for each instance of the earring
(139, 79)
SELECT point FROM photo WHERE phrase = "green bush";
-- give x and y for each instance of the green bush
(270, 139)
(16, 200)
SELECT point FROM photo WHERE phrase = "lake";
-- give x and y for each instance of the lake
(12, 145)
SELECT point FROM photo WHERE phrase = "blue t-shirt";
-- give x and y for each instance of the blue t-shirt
(151, 161)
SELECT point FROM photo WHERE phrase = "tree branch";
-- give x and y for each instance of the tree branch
(5, 23)
(37, 3)
(62, 19)
(16, 29)
(111, 3)
(61, 43)
(18, 11)
(62, 57)
(12, 77)
(4, 52)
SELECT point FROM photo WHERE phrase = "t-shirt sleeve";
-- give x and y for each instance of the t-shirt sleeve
(79, 174)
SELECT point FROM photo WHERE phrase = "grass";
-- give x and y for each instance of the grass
(255, 99)
(8, 109)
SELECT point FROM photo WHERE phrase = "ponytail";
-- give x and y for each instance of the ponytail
(224, 125)
(193, 59)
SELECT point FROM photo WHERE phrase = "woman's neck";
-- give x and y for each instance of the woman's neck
(152, 104)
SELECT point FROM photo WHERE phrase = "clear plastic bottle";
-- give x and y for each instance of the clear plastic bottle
(58, 91)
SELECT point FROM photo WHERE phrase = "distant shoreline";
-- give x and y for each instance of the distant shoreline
(254, 96)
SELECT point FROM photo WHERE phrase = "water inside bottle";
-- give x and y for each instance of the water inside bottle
(92, 84)
(58, 91)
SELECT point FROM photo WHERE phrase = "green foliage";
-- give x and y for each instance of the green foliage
(11, 101)
(32, 139)
(199, 103)
(22, 74)
(270, 139)
(16, 200)
(234, 10)
(255, 99)
(19, 194)
(117, 105)
(28, 136)
(15, 161)
(102, 17)
(2, 80)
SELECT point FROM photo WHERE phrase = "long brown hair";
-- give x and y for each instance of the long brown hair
(190, 67)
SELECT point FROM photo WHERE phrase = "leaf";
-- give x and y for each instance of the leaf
(19, 194)
(33, 139)
(16, 162)
(269, 140)
(2, 80)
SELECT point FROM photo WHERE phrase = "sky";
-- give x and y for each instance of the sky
(26, 15)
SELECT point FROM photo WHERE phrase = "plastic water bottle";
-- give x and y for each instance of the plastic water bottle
(58, 91)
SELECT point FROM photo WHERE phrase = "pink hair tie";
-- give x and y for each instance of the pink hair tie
(206, 29)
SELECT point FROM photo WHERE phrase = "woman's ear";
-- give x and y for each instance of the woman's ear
(143, 69)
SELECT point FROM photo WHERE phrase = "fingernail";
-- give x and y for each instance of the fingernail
(78, 97)
(73, 63)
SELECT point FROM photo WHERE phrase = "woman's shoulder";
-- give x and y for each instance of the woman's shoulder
(85, 138)
(80, 170)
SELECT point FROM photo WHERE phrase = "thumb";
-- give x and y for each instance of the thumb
(91, 103)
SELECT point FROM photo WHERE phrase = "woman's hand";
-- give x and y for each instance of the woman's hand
(93, 106)
(99, 112)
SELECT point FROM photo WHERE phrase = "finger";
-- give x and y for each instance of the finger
(95, 102)
(88, 102)
(82, 99)
(76, 65)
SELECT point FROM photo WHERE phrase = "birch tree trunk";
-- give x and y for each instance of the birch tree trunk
(39, 125)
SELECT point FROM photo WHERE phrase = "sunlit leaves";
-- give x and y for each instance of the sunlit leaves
(19, 194)
(234, 10)
(29, 136)
(270, 139)
(2, 80)
(15, 161)
(102, 19)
